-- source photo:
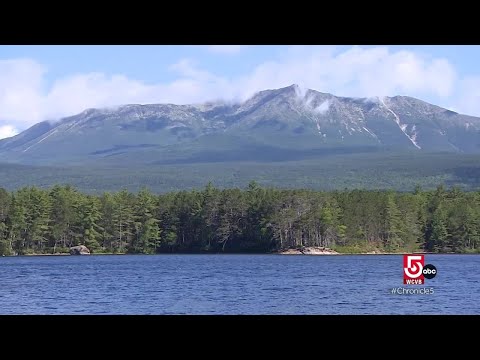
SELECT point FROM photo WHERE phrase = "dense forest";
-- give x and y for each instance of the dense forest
(34, 221)
(376, 171)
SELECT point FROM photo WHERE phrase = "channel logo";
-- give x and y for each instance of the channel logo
(415, 271)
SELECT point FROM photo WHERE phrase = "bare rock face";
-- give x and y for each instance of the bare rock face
(79, 250)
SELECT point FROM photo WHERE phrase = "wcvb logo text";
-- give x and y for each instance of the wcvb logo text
(415, 271)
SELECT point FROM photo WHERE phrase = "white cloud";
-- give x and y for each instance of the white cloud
(358, 72)
(21, 97)
(467, 99)
(7, 131)
(225, 49)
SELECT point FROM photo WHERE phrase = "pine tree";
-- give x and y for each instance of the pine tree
(439, 233)
(17, 224)
(63, 215)
(464, 234)
(394, 230)
(147, 232)
(123, 219)
(210, 214)
(5, 245)
(88, 222)
(37, 215)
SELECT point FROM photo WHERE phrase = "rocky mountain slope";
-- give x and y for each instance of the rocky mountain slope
(273, 124)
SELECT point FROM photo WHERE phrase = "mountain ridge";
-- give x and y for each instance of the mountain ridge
(288, 118)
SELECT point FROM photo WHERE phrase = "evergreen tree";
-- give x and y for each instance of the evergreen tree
(107, 223)
(147, 232)
(88, 222)
(62, 216)
(393, 224)
(123, 220)
(5, 245)
(17, 225)
(37, 215)
(439, 233)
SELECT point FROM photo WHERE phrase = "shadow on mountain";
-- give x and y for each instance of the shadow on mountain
(116, 148)
(261, 153)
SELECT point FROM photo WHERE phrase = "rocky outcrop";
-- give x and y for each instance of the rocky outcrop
(313, 250)
(79, 250)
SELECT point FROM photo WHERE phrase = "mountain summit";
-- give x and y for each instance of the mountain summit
(271, 123)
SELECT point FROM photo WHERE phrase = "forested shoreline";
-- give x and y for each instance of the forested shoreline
(253, 220)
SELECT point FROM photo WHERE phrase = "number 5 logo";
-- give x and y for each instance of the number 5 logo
(413, 266)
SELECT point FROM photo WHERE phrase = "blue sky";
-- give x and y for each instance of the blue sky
(49, 82)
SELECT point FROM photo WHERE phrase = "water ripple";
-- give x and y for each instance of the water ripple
(231, 284)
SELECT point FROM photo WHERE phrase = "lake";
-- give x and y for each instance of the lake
(233, 284)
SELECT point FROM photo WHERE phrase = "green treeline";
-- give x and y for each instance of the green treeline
(34, 220)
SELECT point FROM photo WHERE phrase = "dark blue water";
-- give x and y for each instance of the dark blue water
(233, 284)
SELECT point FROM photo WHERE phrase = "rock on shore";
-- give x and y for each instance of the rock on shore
(79, 250)
(312, 250)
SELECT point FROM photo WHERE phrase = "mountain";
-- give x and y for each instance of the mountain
(273, 125)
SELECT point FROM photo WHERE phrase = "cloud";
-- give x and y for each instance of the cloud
(21, 85)
(358, 72)
(225, 49)
(7, 131)
(467, 99)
